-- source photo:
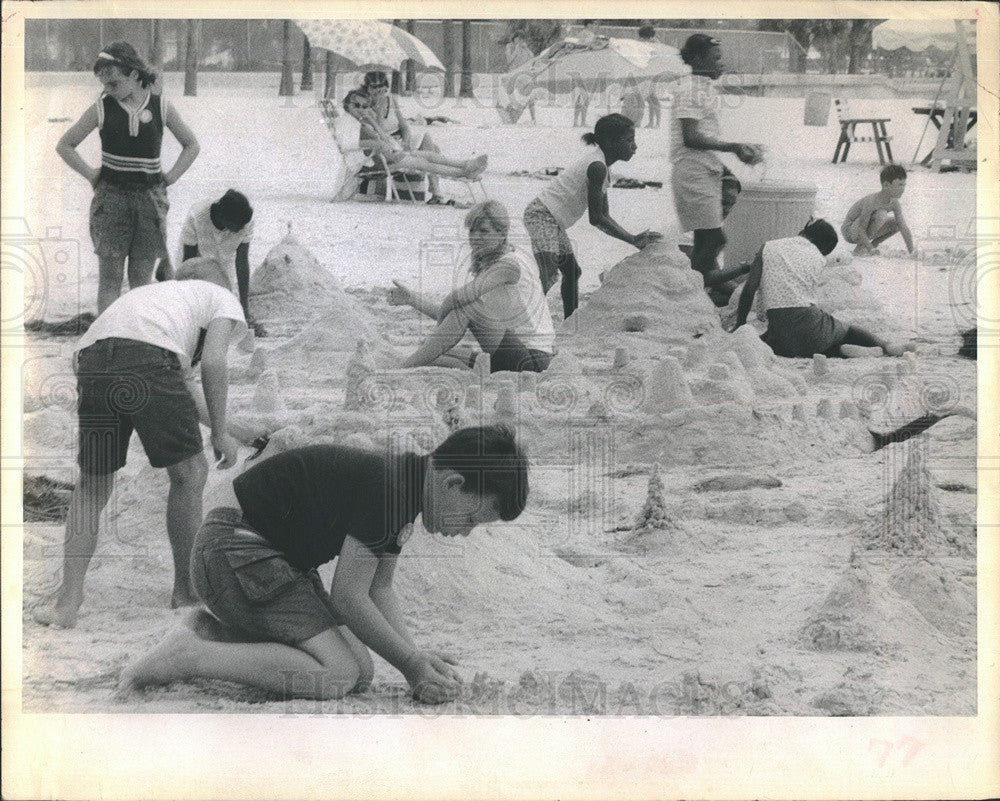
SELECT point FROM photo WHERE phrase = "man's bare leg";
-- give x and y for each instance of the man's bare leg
(90, 496)
(184, 515)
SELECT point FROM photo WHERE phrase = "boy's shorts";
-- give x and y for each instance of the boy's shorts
(548, 237)
(250, 586)
(132, 222)
(125, 385)
(697, 195)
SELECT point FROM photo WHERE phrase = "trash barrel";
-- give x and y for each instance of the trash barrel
(764, 211)
(817, 108)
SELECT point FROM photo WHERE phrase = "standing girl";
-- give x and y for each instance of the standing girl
(582, 187)
(129, 210)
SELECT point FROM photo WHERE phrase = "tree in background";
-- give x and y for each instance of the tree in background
(396, 79)
(287, 87)
(801, 30)
(156, 52)
(411, 67)
(859, 43)
(448, 58)
(537, 33)
(307, 65)
(191, 48)
(830, 39)
(465, 82)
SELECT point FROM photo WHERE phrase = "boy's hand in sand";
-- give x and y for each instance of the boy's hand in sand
(429, 684)
(225, 447)
(647, 238)
(399, 295)
(446, 663)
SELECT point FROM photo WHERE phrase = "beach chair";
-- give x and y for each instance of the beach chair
(366, 175)
(848, 132)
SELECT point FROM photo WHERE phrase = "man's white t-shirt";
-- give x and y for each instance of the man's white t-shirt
(695, 97)
(520, 307)
(213, 243)
(793, 268)
(169, 314)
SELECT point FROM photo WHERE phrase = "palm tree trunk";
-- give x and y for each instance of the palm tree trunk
(449, 58)
(411, 66)
(465, 83)
(329, 85)
(191, 54)
(396, 80)
(156, 52)
(287, 87)
(307, 66)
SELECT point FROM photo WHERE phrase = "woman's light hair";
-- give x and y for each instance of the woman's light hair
(494, 210)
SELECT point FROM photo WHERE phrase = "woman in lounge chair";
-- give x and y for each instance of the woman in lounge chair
(374, 141)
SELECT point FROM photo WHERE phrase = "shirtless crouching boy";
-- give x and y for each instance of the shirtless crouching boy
(254, 566)
(877, 216)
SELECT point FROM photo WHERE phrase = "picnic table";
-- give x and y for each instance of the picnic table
(936, 114)
(879, 136)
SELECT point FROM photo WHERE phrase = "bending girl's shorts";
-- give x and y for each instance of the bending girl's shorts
(251, 587)
(548, 237)
(129, 221)
(697, 195)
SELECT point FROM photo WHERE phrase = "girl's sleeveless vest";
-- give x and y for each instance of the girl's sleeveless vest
(130, 141)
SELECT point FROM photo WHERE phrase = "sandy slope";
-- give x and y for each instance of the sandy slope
(755, 601)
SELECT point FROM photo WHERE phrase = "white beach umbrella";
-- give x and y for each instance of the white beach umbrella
(368, 43)
(919, 34)
(559, 69)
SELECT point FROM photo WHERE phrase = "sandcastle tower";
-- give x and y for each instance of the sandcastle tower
(359, 368)
(845, 620)
(911, 516)
(654, 514)
(266, 398)
(667, 388)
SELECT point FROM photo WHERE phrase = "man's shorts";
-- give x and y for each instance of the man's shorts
(548, 237)
(132, 222)
(697, 195)
(250, 586)
(125, 385)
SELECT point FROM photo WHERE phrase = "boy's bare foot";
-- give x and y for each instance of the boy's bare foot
(859, 352)
(208, 627)
(58, 611)
(893, 349)
(861, 250)
(174, 659)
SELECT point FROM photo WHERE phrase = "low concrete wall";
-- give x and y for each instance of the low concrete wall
(851, 86)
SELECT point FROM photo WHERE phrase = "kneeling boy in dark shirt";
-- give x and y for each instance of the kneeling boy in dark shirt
(254, 566)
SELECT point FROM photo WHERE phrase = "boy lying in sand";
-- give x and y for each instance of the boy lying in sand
(787, 271)
(503, 304)
(272, 624)
(877, 216)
